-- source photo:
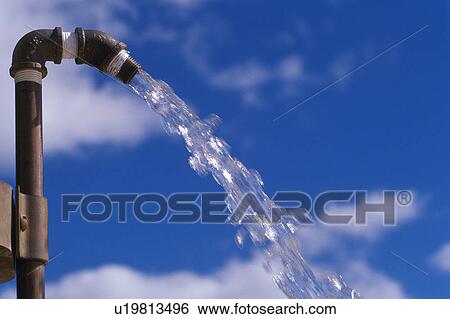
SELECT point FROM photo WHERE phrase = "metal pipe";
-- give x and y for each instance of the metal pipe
(91, 47)
(29, 169)
(95, 48)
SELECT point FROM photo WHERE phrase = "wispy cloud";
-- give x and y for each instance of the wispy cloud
(245, 76)
(184, 4)
(335, 243)
(352, 71)
(327, 237)
(197, 42)
(160, 33)
(370, 282)
(248, 78)
(236, 279)
(252, 75)
(441, 258)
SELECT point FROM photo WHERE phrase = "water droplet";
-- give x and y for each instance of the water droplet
(257, 176)
(213, 120)
(240, 237)
(355, 294)
(291, 226)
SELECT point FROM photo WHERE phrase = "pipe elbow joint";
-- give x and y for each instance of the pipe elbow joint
(95, 48)
(35, 48)
(100, 50)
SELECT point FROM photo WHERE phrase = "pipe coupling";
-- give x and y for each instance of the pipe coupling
(31, 227)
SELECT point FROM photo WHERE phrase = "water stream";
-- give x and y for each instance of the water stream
(210, 154)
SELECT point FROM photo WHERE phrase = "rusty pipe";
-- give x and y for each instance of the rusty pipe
(33, 50)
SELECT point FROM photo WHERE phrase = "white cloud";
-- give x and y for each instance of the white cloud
(90, 115)
(160, 33)
(371, 283)
(243, 76)
(327, 236)
(342, 64)
(249, 78)
(441, 258)
(332, 242)
(198, 41)
(76, 111)
(329, 241)
(252, 74)
(236, 279)
(183, 4)
(291, 68)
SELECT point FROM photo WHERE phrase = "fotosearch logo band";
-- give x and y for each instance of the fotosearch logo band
(330, 207)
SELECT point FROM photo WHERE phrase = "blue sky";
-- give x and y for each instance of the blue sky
(382, 127)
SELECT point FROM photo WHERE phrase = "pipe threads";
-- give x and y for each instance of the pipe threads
(128, 70)
(117, 62)
(30, 75)
(123, 67)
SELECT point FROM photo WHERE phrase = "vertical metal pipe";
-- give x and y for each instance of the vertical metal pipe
(33, 50)
(29, 175)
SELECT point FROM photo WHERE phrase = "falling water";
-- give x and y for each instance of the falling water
(210, 154)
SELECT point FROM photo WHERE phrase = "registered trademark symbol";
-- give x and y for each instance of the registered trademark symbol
(404, 198)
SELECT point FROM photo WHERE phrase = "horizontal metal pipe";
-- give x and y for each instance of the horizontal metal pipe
(95, 48)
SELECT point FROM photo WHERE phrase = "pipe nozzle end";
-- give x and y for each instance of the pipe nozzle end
(128, 70)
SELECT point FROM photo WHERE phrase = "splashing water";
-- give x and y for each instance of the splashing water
(210, 154)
